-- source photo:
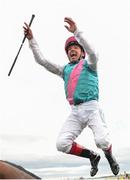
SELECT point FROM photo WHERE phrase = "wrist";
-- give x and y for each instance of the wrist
(30, 37)
(76, 32)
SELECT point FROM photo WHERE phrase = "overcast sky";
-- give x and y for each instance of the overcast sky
(32, 101)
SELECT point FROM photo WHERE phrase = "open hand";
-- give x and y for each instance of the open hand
(28, 31)
(72, 25)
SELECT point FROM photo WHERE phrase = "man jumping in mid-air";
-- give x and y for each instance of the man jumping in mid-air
(81, 89)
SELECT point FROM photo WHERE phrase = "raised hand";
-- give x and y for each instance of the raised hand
(72, 25)
(28, 31)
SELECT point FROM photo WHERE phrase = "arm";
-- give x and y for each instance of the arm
(39, 58)
(92, 58)
(56, 69)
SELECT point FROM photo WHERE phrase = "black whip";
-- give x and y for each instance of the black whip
(20, 46)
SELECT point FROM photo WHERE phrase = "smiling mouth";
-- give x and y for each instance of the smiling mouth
(73, 55)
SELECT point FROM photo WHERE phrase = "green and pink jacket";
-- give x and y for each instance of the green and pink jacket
(80, 82)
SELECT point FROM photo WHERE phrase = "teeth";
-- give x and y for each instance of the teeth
(73, 55)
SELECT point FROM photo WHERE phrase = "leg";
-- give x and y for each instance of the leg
(65, 142)
(101, 134)
(112, 161)
(69, 132)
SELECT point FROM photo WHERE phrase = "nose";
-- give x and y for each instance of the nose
(72, 48)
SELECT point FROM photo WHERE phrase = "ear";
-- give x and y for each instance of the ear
(82, 54)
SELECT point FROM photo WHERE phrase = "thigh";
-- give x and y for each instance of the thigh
(97, 124)
(71, 128)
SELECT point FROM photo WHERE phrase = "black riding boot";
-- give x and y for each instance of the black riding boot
(94, 160)
(112, 161)
(113, 164)
(86, 153)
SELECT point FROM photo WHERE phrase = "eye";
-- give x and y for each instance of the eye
(76, 47)
(73, 47)
(69, 48)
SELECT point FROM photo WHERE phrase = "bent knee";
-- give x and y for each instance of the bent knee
(102, 143)
(63, 146)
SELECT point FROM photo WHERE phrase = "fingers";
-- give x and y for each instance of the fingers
(26, 27)
(71, 27)
(69, 20)
(67, 27)
(27, 31)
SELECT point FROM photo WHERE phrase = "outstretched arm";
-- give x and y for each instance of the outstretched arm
(72, 27)
(56, 69)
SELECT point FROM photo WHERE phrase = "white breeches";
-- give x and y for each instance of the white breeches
(83, 115)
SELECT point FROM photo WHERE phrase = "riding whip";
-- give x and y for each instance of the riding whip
(20, 46)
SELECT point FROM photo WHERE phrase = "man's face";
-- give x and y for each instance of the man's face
(74, 53)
